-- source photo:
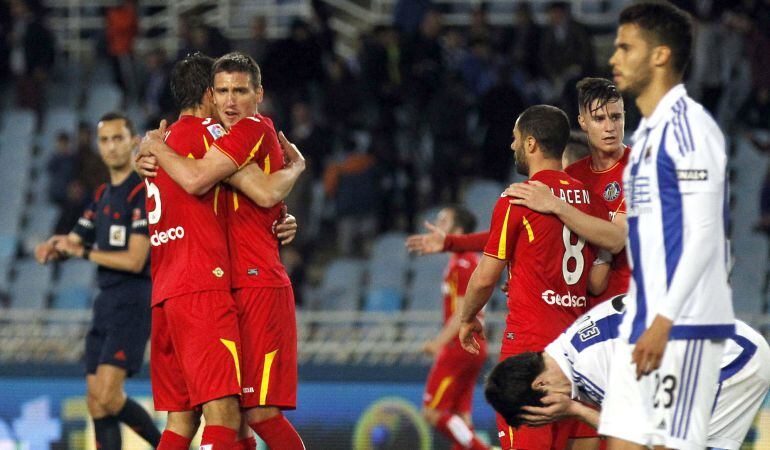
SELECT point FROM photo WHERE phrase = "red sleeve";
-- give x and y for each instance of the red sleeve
(464, 268)
(504, 230)
(472, 242)
(243, 141)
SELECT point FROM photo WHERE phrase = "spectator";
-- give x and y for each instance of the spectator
(423, 58)
(343, 97)
(122, 27)
(197, 36)
(156, 99)
(454, 48)
(524, 41)
(31, 53)
(257, 44)
(409, 14)
(61, 170)
(382, 63)
(566, 51)
(498, 109)
(479, 69)
(763, 226)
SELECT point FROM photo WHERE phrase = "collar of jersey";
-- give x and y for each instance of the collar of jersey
(662, 110)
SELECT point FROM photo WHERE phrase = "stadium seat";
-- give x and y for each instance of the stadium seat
(429, 215)
(383, 300)
(19, 122)
(73, 297)
(388, 264)
(31, 287)
(102, 98)
(340, 288)
(76, 272)
(60, 119)
(427, 277)
(41, 221)
(480, 197)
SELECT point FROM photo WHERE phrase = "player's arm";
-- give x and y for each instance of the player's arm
(447, 333)
(536, 196)
(480, 288)
(131, 260)
(559, 406)
(437, 241)
(267, 190)
(599, 276)
(195, 176)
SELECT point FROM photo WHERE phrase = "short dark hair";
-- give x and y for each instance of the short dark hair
(463, 218)
(549, 126)
(596, 89)
(110, 116)
(238, 62)
(666, 25)
(190, 79)
(509, 386)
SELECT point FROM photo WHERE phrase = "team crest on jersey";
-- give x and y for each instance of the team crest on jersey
(218, 272)
(611, 191)
(216, 130)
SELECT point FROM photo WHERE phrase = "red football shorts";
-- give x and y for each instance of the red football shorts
(195, 353)
(553, 436)
(452, 378)
(269, 338)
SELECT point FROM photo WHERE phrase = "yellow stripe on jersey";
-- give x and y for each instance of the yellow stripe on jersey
(205, 142)
(563, 181)
(266, 377)
(510, 435)
(216, 198)
(233, 351)
(235, 201)
(442, 387)
(530, 234)
(190, 155)
(501, 248)
(267, 165)
(253, 151)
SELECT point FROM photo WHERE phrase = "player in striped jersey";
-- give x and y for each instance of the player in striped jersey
(680, 303)
(573, 371)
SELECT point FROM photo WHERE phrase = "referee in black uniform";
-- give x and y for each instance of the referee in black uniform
(113, 234)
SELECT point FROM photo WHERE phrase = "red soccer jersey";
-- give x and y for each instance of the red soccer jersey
(456, 276)
(548, 265)
(608, 185)
(187, 232)
(253, 247)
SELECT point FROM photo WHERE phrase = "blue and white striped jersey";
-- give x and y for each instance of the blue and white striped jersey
(585, 349)
(676, 189)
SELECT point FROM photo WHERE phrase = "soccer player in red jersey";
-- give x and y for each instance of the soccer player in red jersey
(549, 267)
(448, 393)
(261, 287)
(602, 117)
(195, 359)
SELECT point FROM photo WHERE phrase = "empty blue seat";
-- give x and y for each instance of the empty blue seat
(73, 297)
(480, 197)
(31, 287)
(383, 300)
(427, 277)
(340, 288)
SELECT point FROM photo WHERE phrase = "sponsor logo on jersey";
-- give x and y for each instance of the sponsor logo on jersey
(117, 235)
(248, 390)
(569, 300)
(611, 191)
(159, 238)
(692, 175)
(252, 272)
(510, 335)
(218, 272)
(216, 130)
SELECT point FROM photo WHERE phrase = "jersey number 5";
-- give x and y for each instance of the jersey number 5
(571, 251)
(153, 192)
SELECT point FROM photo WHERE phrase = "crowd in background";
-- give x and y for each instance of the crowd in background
(421, 109)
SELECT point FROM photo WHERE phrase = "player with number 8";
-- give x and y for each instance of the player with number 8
(550, 269)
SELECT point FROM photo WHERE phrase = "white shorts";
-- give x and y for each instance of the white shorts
(738, 400)
(671, 406)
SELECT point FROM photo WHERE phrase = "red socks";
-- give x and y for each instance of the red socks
(172, 441)
(455, 428)
(247, 444)
(218, 438)
(278, 433)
